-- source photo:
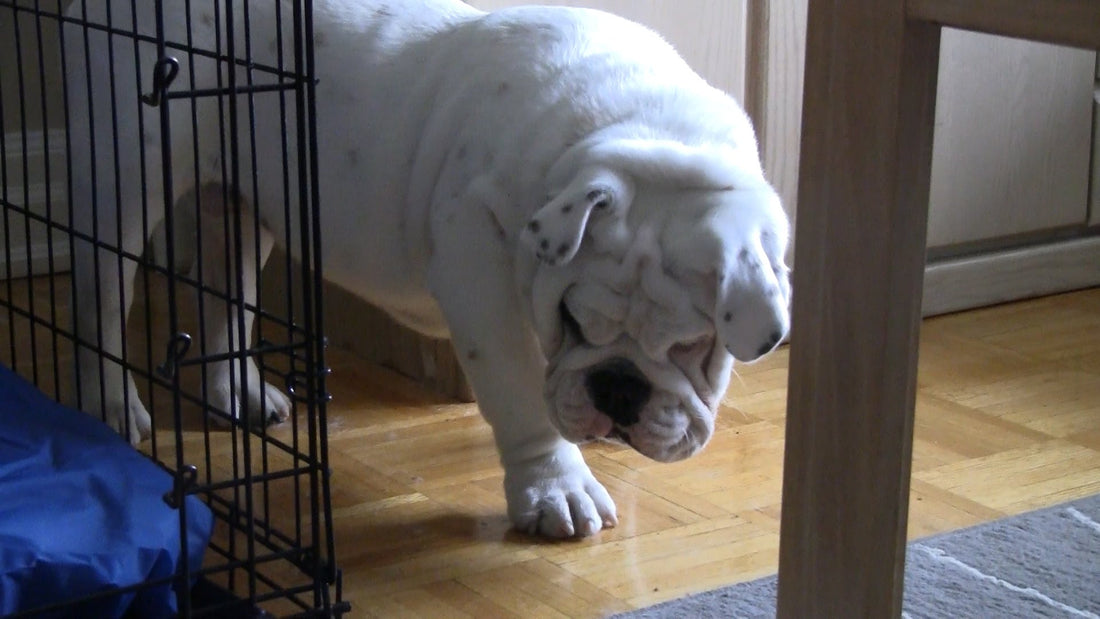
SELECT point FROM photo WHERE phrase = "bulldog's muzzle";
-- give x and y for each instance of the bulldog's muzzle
(619, 390)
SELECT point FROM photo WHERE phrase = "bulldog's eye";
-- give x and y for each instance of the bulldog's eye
(572, 327)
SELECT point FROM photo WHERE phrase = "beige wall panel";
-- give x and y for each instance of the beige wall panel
(1094, 205)
(1013, 138)
(709, 34)
(33, 118)
(777, 48)
(23, 100)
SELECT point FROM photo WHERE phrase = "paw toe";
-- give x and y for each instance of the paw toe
(589, 527)
(278, 405)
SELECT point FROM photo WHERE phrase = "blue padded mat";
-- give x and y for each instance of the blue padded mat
(83, 512)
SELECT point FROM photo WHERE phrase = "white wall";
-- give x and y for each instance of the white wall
(709, 34)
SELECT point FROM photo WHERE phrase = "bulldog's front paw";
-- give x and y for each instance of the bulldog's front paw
(556, 495)
(261, 401)
(130, 419)
(125, 414)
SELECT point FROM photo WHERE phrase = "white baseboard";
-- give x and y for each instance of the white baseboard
(998, 277)
(35, 259)
(26, 187)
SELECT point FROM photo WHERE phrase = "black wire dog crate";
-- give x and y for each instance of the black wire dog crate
(75, 144)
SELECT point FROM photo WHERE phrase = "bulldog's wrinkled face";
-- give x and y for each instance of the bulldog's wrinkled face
(654, 310)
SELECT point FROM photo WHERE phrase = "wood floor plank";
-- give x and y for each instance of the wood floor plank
(933, 510)
(446, 600)
(946, 432)
(656, 566)
(659, 493)
(1056, 403)
(539, 588)
(1022, 479)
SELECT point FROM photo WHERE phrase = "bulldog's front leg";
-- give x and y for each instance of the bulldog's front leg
(549, 488)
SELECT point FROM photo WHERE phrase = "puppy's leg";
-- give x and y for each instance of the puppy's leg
(550, 489)
(229, 385)
(104, 290)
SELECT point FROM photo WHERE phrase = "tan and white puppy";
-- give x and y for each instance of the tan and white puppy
(552, 189)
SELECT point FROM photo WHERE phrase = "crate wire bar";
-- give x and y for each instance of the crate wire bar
(272, 550)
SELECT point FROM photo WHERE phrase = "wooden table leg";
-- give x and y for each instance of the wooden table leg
(868, 113)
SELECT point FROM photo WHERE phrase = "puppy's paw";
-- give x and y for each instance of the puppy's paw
(557, 496)
(262, 402)
(125, 415)
(267, 404)
(130, 420)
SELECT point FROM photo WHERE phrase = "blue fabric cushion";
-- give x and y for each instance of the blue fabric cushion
(83, 512)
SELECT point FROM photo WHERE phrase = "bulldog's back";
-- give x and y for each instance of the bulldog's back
(417, 101)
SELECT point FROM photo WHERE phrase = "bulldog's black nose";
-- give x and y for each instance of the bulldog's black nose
(770, 344)
(619, 390)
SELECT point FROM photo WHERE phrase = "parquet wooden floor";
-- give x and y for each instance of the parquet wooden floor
(1008, 420)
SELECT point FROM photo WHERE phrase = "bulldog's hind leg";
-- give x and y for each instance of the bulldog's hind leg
(549, 488)
(232, 279)
(103, 292)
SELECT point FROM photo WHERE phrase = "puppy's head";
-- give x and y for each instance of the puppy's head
(659, 266)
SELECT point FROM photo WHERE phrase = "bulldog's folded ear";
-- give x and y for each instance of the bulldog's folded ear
(597, 198)
(752, 312)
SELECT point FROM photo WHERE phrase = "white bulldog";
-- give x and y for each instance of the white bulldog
(552, 189)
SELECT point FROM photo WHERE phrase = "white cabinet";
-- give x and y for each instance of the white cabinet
(1012, 141)
(1009, 212)
(1094, 205)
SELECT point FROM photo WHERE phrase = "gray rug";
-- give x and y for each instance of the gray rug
(1044, 563)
